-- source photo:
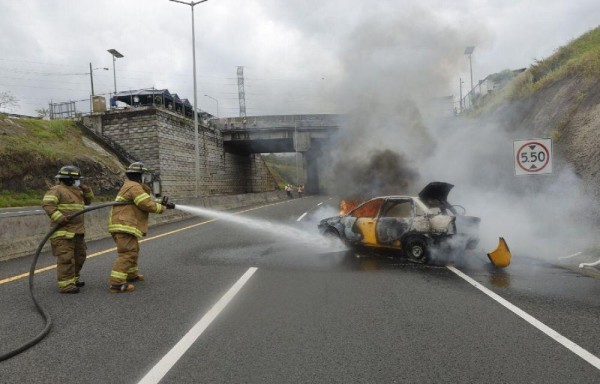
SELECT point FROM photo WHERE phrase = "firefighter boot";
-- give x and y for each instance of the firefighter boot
(123, 288)
(135, 278)
(71, 288)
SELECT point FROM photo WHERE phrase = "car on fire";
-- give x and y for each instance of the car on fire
(412, 225)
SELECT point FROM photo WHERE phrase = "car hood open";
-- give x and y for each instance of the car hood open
(437, 190)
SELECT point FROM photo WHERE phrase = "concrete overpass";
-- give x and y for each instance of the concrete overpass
(306, 134)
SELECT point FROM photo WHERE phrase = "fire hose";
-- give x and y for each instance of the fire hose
(45, 316)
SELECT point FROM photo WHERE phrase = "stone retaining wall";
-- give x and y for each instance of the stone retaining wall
(164, 141)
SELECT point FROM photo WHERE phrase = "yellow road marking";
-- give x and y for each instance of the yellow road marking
(50, 267)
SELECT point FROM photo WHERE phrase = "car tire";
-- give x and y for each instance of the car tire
(416, 249)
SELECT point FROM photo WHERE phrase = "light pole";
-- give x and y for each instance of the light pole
(210, 97)
(191, 4)
(296, 150)
(116, 55)
(469, 51)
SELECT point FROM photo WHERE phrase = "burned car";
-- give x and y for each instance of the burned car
(408, 224)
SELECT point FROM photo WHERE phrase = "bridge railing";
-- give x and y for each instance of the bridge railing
(283, 121)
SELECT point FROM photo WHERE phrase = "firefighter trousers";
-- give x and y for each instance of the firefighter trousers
(125, 266)
(70, 256)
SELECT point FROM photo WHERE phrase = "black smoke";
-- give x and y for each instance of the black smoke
(385, 172)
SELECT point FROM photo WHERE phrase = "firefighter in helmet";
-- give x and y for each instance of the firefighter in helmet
(68, 245)
(128, 223)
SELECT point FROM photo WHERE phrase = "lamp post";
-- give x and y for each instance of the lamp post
(197, 148)
(210, 97)
(296, 150)
(469, 51)
(116, 55)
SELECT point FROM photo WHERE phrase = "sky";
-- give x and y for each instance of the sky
(299, 56)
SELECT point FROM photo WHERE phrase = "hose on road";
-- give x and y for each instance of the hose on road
(40, 309)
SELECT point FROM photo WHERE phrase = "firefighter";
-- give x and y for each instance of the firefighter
(68, 244)
(128, 223)
(300, 189)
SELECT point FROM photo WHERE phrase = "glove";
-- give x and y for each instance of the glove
(84, 187)
(64, 219)
(165, 202)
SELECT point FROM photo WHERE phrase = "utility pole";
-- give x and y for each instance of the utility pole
(92, 79)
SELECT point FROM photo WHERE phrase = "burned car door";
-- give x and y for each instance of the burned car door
(394, 221)
(359, 224)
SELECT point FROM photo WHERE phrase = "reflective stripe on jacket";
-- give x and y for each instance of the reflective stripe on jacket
(63, 200)
(133, 218)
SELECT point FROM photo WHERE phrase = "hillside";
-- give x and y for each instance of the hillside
(558, 97)
(32, 151)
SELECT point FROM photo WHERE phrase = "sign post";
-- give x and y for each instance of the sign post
(533, 156)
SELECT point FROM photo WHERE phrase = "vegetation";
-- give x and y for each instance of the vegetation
(32, 150)
(579, 58)
(7, 100)
(283, 168)
(19, 199)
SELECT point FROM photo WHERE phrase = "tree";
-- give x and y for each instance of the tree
(43, 112)
(8, 100)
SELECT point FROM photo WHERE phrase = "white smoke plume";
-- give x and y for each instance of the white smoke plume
(396, 66)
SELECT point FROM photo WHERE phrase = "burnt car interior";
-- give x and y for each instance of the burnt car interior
(395, 220)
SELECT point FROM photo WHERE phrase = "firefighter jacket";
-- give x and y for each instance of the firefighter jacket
(63, 200)
(133, 218)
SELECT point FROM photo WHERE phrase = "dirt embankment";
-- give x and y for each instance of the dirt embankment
(32, 151)
(569, 112)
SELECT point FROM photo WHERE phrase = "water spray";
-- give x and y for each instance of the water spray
(275, 229)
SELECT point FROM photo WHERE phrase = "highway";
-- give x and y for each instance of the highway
(224, 303)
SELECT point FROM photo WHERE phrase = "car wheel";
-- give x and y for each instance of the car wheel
(416, 249)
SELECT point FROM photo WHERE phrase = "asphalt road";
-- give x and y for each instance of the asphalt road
(301, 313)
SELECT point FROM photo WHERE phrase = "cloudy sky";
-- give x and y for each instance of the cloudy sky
(299, 56)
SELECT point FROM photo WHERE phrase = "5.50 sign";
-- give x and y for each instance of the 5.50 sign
(533, 157)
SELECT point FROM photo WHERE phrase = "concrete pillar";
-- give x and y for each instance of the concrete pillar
(312, 171)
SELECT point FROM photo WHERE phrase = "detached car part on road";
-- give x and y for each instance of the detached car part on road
(409, 224)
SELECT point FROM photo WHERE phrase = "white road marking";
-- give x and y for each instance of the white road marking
(569, 256)
(584, 354)
(302, 216)
(169, 360)
(319, 203)
(583, 265)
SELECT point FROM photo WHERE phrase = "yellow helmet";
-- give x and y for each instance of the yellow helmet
(69, 172)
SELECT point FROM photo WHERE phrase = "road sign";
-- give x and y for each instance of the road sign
(533, 156)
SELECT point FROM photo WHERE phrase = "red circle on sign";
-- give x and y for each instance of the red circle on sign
(545, 162)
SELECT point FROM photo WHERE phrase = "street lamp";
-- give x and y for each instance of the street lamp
(469, 51)
(296, 150)
(210, 97)
(191, 4)
(116, 55)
